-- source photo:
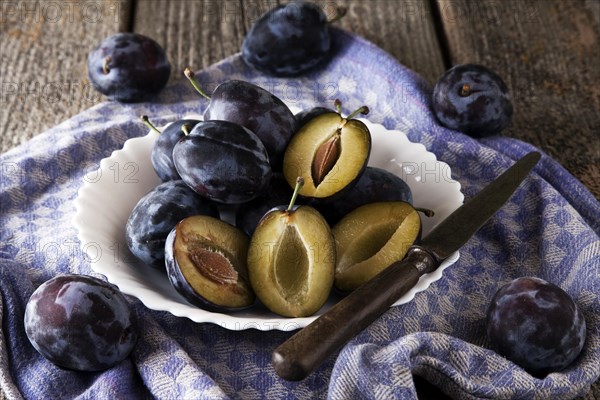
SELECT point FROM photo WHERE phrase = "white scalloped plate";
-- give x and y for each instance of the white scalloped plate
(109, 194)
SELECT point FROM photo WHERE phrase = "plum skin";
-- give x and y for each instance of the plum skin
(472, 99)
(162, 151)
(535, 324)
(80, 322)
(277, 193)
(156, 214)
(288, 40)
(258, 110)
(137, 70)
(223, 161)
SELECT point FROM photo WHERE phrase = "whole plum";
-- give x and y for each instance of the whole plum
(288, 40)
(128, 67)
(257, 109)
(472, 99)
(223, 161)
(80, 322)
(162, 151)
(156, 214)
(535, 324)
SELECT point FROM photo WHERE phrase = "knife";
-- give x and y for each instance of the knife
(297, 357)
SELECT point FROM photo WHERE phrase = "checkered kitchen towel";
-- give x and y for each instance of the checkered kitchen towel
(549, 228)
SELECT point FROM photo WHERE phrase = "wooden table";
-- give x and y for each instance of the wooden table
(547, 51)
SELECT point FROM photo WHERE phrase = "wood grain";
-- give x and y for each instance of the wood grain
(404, 29)
(43, 52)
(548, 52)
(194, 33)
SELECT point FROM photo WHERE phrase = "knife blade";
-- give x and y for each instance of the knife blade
(297, 357)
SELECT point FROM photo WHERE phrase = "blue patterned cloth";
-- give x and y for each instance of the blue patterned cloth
(550, 228)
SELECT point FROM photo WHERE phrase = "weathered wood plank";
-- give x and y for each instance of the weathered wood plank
(201, 32)
(43, 51)
(194, 33)
(405, 29)
(548, 52)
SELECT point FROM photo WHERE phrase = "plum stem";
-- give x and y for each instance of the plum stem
(190, 75)
(105, 67)
(340, 12)
(185, 128)
(364, 110)
(337, 103)
(428, 212)
(299, 184)
(465, 90)
(146, 120)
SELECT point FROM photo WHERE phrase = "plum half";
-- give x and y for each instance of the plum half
(206, 263)
(329, 152)
(291, 260)
(371, 238)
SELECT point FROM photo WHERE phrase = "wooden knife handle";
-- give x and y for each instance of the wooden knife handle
(297, 357)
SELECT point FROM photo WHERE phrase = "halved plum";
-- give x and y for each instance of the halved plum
(371, 238)
(206, 263)
(330, 153)
(291, 260)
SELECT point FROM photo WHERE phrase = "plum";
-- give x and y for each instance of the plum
(256, 109)
(128, 67)
(473, 99)
(535, 324)
(80, 322)
(223, 161)
(205, 260)
(156, 214)
(162, 151)
(288, 39)
(330, 153)
(371, 238)
(291, 259)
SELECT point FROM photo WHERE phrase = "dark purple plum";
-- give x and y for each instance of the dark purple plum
(278, 192)
(255, 108)
(306, 115)
(162, 152)
(288, 39)
(223, 161)
(80, 322)
(535, 324)
(156, 214)
(206, 263)
(472, 99)
(374, 185)
(128, 67)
